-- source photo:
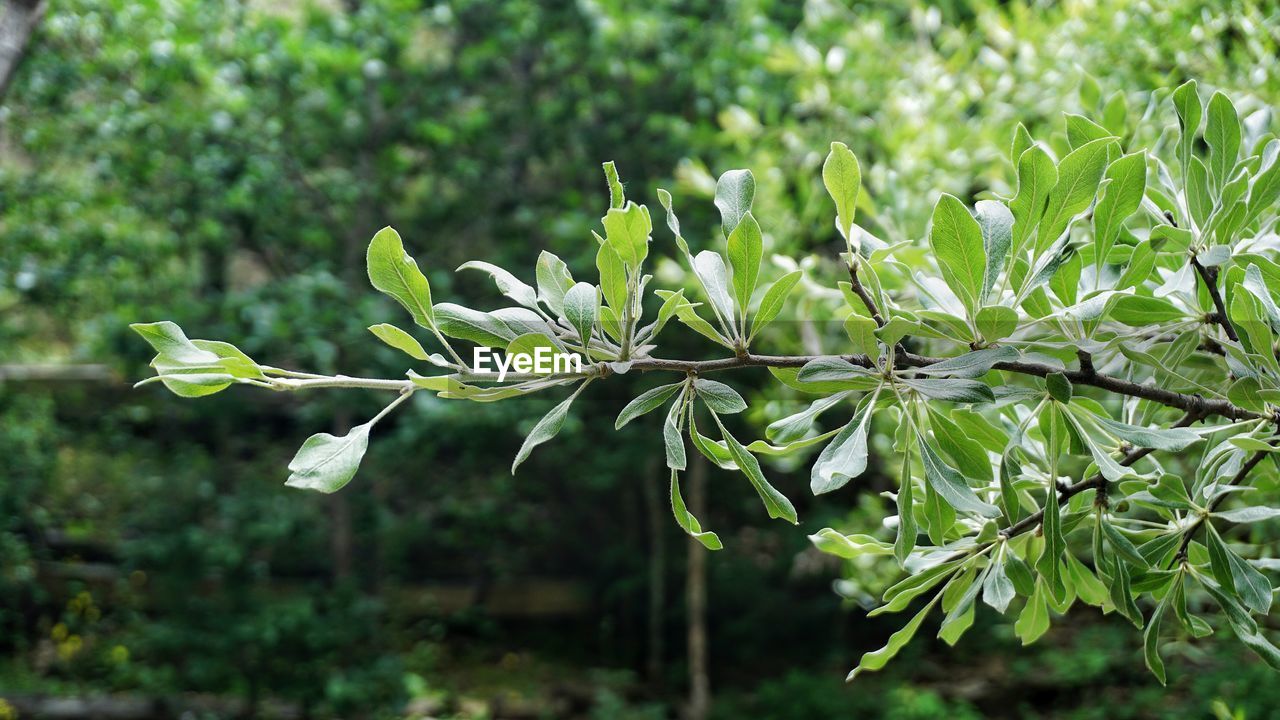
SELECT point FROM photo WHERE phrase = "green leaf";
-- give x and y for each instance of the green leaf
(1122, 594)
(467, 324)
(716, 452)
(1037, 175)
(845, 457)
(1087, 585)
(691, 318)
(1024, 581)
(1078, 176)
(960, 618)
(1033, 621)
(1159, 438)
(1059, 387)
(671, 304)
(582, 308)
(735, 191)
(1248, 514)
(849, 546)
(326, 463)
(1245, 392)
(1242, 624)
(1142, 311)
(951, 485)
(554, 280)
(1115, 114)
(1139, 268)
(508, 284)
(1088, 430)
(996, 322)
(905, 539)
(862, 335)
(997, 588)
(1123, 546)
(1187, 102)
(645, 402)
(969, 456)
(956, 240)
(1255, 332)
(829, 368)
(1127, 184)
(233, 361)
(168, 340)
(711, 272)
(1055, 545)
(1264, 188)
(877, 659)
(616, 197)
(1239, 576)
(842, 176)
(952, 389)
(1021, 143)
(746, 247)
(1151, 639)
(719, 397)
(775, 503)
(794, 427)
(546, 428)
(687, 521)
(400, 340)
(1199, 197)
(774, 300)
(1191, 623)
(673, 443)
(1222, 135)
(969, 365)
(760, 447)
(626, 230)
(393, 272)
(530, 344)
(613, 277)
(1170, 239)
(1081, 130)
(996, 222)
(673, 222)
(1009, 469)
(1257, 286)
(900, 595)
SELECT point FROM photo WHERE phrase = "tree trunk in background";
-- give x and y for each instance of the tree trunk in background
(18, 20)
(696, 598)
(654, 480)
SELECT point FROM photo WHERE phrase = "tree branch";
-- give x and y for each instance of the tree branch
(1196, 406)
(1200, 406)
(340, 381)
(1210, 278)
(1239, 477)
(864, 294)
(1096, 482)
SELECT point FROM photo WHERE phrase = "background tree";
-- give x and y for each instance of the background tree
(127, 193)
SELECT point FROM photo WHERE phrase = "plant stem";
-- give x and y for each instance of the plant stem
(1210, 278)
(342, 381)
(1200, 406)
(862, 292)
(1238, 478)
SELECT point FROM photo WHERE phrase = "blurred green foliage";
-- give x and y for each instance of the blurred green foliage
(224, 164)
